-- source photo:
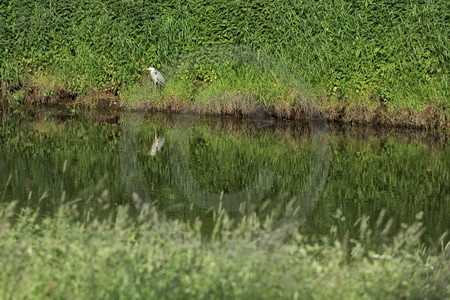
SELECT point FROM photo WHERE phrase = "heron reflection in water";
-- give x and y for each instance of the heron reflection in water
(158, 142)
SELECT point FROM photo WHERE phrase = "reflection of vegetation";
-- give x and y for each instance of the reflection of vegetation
(73, 256)
(382, 173)
(224, 163)
(365, 176)
(57, 155)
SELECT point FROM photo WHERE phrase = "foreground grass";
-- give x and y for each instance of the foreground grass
(70, 256)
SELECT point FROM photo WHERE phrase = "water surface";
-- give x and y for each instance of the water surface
(189, 167)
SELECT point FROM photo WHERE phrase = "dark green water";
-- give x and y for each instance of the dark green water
(325, 176)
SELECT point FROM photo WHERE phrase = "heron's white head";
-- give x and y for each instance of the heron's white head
(151, 69)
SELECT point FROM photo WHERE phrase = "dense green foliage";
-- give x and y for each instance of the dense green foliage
(396, 52)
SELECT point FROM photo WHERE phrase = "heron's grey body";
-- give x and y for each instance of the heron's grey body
(156, 77)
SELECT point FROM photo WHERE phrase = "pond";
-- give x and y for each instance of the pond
(325, 177)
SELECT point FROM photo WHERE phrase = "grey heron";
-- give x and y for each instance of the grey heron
(157, 77)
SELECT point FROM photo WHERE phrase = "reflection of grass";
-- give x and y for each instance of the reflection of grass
(366, 174)
(59, 257)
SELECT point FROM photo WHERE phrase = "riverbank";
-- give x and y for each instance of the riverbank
(147, 98)
(369, 62)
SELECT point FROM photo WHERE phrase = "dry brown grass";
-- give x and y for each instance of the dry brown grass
(46, 90)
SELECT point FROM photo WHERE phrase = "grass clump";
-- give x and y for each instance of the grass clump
(71, 255)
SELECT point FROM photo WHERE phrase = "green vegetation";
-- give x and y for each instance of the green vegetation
(371, 61)
(69, 255)
(70, 227)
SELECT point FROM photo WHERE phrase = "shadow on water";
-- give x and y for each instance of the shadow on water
(193, 167)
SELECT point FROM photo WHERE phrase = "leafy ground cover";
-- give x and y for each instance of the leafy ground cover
(365, 61)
